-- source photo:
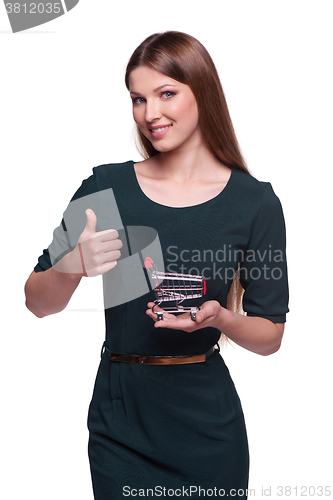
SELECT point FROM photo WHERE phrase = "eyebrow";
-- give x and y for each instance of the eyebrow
(157, 88)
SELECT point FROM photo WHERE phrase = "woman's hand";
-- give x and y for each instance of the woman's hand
(96, 252)
(256, 334)
(209, 315)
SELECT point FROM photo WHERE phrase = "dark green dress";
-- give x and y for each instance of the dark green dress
(179, 426)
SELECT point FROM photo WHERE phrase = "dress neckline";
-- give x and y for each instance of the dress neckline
(218, 195)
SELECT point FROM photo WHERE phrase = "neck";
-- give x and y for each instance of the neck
(186, 166)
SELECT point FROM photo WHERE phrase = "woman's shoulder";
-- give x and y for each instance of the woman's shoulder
(108, 170)
(104, 176)
(249, 186)
(248, 181)
(253, 196)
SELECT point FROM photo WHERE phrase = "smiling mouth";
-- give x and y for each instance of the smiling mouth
(159, 129)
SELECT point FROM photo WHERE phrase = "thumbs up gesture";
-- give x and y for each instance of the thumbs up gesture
(95, 253)
(98, 251)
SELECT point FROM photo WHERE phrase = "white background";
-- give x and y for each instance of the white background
(64, 110)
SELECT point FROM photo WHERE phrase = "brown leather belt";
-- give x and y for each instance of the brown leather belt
(158, 360)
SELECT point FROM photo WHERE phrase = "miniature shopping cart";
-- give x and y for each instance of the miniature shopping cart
(175, 287)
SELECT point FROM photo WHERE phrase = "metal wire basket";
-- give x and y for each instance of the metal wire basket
(175, 287)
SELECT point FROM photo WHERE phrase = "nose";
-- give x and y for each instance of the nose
(152, 111)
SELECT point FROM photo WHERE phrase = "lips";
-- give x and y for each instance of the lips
(160, 130)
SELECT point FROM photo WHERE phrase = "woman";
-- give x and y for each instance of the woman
(178, 425)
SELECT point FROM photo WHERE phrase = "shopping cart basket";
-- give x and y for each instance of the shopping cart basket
(175, 287)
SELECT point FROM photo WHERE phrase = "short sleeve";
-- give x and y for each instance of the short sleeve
(263, 272)
(61, 242)
(44, 262)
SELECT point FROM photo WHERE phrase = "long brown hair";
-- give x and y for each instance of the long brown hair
(183, 58)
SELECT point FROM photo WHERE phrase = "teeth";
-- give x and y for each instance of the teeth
(160, 129)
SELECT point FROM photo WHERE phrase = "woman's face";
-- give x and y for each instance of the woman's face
(164, 109)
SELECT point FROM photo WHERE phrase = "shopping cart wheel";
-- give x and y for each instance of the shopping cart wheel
(159, 315)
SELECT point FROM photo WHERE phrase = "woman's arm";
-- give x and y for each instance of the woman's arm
(49, 292)
(258, 335)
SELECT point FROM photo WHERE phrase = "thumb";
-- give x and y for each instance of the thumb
(91, 221)
(199, 317)
(203, 313)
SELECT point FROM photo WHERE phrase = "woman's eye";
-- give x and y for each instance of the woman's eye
(168, 94)
(138, 100)
(164, 95)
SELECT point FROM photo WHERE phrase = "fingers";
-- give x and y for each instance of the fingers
(153, 311)
(109, 239)
(96, 252)
(177, 322)
(99, 251)
(100, 256)
(210, 314)
(205, 312)
(206, 316)
(98, 245)
(107, 235)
